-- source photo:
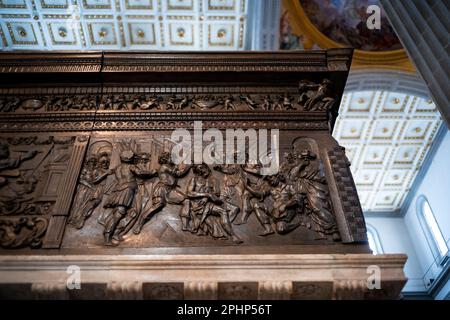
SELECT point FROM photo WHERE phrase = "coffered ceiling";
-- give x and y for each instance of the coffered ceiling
(387, 136)
(123, 24)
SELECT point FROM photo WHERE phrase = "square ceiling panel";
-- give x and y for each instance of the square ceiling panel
(13, 4)
(138, 4)
(141, 33)
(21, 33)
(97, 4)
(103, 33)
(53, 4)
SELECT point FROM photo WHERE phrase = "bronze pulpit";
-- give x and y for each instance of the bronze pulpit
(116, 168)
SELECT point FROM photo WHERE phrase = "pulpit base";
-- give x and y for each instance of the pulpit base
(262, 276)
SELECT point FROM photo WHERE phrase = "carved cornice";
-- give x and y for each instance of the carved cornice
(219, 120)
(294, 61)
(233, 261)
(42, 91)
(162, 125)
(39, 126)
(40, 62)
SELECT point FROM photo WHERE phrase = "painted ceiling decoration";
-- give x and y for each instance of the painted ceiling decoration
(345, 22)
(123, 24)
(338, 23)
(387, 136)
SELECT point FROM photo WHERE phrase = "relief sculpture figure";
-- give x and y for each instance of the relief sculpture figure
(90, 190)
(253, 201)
(140, 200)
(7, 162)
(311, 184)
(287, 205)
(210, 204)
(205, 213)
(165, 190)
(241, 180)
(316, 96)
(123, 193)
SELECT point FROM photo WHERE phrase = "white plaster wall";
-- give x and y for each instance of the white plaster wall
(395, 238)
(436, 188)
(405, 235)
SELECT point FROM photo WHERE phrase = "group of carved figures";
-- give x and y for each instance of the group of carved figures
(311, 97)
(49, 103)
(15, 197)
(296, 196)
(14, 194)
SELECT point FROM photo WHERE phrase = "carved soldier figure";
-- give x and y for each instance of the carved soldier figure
(255, 192)
(123, 193)
(241, 180)
(165, 190)
(204, 212)
(140, 201)
(232, 187)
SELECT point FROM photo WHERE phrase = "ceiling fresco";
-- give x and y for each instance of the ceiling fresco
(344, 21)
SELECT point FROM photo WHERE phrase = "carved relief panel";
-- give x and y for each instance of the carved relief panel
(130, 193)
(37, 177)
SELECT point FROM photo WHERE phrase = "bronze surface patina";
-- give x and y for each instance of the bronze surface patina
(85, 153)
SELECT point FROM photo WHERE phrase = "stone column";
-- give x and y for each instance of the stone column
(423, 29)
